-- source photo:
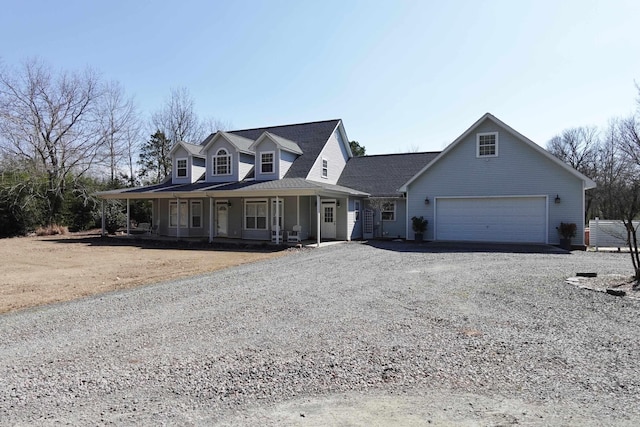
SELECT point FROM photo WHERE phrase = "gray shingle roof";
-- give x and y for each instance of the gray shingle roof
(193, 149)
(382, 175)
(286, 144)
(309, 137)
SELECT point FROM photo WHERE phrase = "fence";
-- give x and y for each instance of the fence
(608, 233)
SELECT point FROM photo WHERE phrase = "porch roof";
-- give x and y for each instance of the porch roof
(281, 187)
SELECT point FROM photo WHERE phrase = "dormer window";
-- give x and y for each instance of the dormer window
(487, 144)
(181, 168)
(266, 162)
(222, 163)
(325, 168)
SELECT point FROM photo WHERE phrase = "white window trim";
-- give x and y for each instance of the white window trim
(325, 169)
(273, 162)
(395, 216)
(186, 168)
(478, 145)
(214, 161)
(244, 216)
(195, 202)
(184, 207)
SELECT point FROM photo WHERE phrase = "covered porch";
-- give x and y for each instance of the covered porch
(283, 211)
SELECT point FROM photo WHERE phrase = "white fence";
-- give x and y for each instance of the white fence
(606, 233)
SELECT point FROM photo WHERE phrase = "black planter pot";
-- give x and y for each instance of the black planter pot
(565, 244)
(419, 237)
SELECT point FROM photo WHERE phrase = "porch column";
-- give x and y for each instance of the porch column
(178, 224)
(210, 219)
(318, 209)
(348, 224)
(277, 220)
(128, 219)
(297, 210)
(104, 219)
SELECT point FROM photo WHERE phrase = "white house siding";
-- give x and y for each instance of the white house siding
(266, 145)
(286, 160)
(354, 225)
(198, 168)
(222, 143)
(246, 164)
(336, 154)
(518, 170)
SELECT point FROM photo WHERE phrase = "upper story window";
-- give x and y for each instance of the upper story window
(325, 168)
(487, 144)
(222, 163)
(181, 168)
(266, 162)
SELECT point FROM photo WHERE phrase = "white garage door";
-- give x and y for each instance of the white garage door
(500, 219)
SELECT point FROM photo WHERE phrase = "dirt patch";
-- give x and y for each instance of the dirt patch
(43, 270)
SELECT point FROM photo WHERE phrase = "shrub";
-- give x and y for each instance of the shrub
(567, 230)
(52, 230)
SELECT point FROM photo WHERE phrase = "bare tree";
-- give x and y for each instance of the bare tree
(379, 205)
(178, 120)
(50, 122)
(576, 147)
(120, 127)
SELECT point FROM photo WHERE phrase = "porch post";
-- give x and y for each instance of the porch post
(128, 219)
(318, 219)
(178, 224)
(210, 219)
(104, 219)
(297, 210)
(348, 224)
(277, 220)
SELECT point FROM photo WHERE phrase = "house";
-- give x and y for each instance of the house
(491, 184)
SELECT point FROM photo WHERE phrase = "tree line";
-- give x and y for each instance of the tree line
(611, 157)
(66, 134)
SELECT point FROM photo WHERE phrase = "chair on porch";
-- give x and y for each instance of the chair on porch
(294, 235)
(273, 236)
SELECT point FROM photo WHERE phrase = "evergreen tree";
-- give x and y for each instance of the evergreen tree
(155, 162)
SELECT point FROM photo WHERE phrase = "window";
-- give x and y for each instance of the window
(222, 163)
(389, 211)
(173, 213)
(181, 168)
(280, 213)
(266, 163)
(325, 168)
(255, 215)
(487, 144)
(196, 214)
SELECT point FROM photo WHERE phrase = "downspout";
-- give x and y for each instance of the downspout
(348, 226)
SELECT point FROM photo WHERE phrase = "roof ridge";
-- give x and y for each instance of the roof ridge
(398, 154)
(283, 126)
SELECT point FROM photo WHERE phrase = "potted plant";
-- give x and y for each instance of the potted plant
(567, 231)
(419, 225)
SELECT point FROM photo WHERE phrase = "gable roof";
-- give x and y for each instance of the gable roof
(588, 183)
(309, 137)
(283, 143)
(192, 149)
(383, 175)
(241, 144)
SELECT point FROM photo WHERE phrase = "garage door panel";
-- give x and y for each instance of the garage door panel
(508, 219)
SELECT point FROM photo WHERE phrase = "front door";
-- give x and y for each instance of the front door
(328, 214)
(222, 213)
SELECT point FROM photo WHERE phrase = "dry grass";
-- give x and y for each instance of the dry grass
(52, 230)
(48, 269)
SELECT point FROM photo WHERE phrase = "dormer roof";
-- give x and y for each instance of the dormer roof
(282, 143)
(240, 143)
(192, 149)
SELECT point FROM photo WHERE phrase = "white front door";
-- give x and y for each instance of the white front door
(328, 218)
(222, 213)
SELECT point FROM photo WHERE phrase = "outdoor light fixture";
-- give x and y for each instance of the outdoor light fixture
(229, 204)
(426, 201)
(557, 199)
(338, 203)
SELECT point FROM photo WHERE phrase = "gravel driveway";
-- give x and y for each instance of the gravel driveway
(348, 334)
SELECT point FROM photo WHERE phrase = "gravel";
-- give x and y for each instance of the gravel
(402, 333)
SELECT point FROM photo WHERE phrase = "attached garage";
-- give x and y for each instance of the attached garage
(491, 219)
